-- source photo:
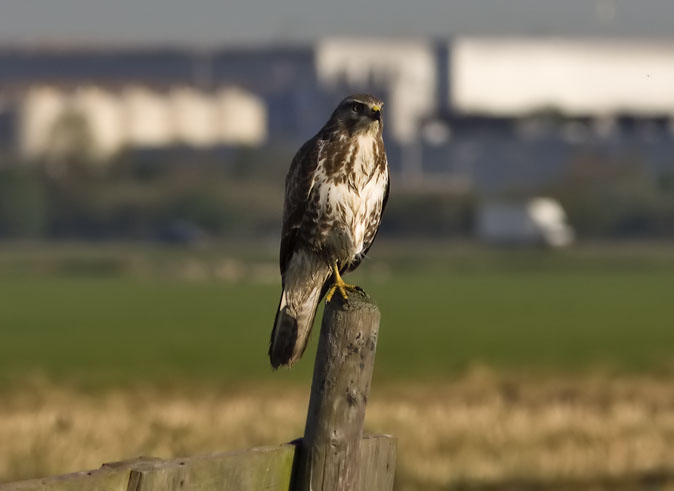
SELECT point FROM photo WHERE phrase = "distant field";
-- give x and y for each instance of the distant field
(125, 312)
(496, 369)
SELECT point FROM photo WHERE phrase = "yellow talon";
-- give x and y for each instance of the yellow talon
(339, 285)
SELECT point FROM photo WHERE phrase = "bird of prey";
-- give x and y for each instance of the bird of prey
(335, 192)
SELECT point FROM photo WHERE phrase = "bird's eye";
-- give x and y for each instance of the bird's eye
(357, 107)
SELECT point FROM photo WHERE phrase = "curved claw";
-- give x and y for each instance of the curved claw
(342, 289)
(340, 285)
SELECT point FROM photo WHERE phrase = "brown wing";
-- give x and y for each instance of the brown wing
(297, 188)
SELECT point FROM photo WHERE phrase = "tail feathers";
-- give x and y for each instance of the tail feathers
(292, 327)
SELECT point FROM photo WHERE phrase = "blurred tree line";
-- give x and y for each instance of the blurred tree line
(239, 194)
(140, 196)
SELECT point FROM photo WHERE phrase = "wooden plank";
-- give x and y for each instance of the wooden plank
(377, 463)
(113, 476)
(100, 480)
(328, 458)
(259, 469)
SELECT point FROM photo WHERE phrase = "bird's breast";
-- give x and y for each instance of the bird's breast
(351, 197)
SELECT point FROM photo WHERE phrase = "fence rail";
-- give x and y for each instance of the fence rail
(257, 469)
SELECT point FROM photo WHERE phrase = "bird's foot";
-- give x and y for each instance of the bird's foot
(342, 287)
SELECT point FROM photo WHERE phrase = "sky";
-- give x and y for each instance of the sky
(211, 22)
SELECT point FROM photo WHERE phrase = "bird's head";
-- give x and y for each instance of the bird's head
(359, 113)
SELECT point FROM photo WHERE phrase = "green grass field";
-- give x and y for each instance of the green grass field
(123, 313)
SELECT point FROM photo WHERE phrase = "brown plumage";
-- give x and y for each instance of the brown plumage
(335, 193)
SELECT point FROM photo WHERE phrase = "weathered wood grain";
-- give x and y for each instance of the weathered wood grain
(259, 469)
(104, 479)
(377, 463)
(341, 384)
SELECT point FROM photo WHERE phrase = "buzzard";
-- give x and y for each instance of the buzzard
(335, 192)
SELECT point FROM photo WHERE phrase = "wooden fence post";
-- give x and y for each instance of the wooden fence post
(339, 391)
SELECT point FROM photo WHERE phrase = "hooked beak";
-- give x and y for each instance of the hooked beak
(375, 113)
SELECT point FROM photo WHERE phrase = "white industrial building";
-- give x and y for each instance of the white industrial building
(510, 76)
(502, 77)
(137, 116)
(421, 80)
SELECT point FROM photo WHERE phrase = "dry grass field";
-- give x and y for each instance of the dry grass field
(479, 431)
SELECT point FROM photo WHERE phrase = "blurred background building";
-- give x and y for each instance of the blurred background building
(439, 95)
(474, 117)
(53, 119)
